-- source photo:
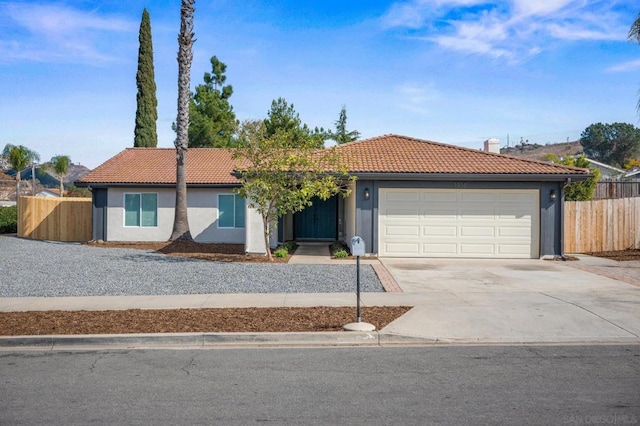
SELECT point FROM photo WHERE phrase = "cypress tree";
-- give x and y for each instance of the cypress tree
(145, 134)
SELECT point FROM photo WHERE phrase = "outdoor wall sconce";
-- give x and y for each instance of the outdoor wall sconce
(552, 195)
(366, 194)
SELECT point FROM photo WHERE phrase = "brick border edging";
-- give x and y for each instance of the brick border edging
(609, 273)
(386, 279)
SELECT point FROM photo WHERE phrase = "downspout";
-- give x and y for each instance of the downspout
(562, 253)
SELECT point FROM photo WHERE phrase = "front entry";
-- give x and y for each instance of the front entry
(318, 221)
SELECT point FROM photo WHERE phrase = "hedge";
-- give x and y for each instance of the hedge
(9, 220)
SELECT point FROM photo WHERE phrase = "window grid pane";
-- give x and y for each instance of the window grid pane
(225, 211)
(132, 210)
(149, 210)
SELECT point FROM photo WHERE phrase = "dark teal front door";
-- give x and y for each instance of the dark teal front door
(317, 221)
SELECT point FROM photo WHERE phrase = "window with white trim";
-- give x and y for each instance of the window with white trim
(231, 211)
(141, 209)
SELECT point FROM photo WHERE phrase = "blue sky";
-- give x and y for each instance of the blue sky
(453, 71)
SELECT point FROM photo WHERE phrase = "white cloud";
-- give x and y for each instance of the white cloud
(470, 45)
(416, 97)
(625, 66)
(55, 19)
(539, 7)
(56, 33)
(577, 32)
(413, 14)
(517, 29)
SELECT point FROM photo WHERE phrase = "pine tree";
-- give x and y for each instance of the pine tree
(283, 117)
(341, 134)
(145, 134)
(212, 120)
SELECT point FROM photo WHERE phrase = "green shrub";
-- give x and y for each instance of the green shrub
(8, 220)
(281, 252)
(579, 191)
(73, 191)
(340, 254)
(337, 247)
(290, 246)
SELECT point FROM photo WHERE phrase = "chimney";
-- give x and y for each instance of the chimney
(492, 145)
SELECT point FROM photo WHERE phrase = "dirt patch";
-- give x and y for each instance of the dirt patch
(566, 258)
(621, 255)
(193, 320)
(204, 251)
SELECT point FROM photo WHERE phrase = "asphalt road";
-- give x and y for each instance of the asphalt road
(414, 385)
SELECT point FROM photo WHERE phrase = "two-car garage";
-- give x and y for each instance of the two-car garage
(479, 223)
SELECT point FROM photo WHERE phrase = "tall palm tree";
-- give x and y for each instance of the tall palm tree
(61, 165)
(19, 157)
(634, 35)
(185, 57)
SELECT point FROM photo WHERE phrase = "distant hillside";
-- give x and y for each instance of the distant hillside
(49, 179)
(7, 186)
(540, 152)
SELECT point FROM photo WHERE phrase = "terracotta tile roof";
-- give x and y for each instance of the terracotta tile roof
(211, 166)
(384, 154)
(401, 154)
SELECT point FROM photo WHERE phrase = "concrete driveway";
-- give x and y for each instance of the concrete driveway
(514, 301)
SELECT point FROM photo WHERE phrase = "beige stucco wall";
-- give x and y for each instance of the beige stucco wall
(203, 217)
(350, 214)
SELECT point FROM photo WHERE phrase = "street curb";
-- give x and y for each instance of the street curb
(256, 340)
(207, 340)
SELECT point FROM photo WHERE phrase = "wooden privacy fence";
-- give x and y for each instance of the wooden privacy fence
(601, 225)
(55, 219)
(617, 189)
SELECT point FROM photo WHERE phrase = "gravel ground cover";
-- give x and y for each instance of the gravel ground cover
(40, 268)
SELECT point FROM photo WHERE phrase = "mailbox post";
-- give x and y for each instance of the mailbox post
(357, 250)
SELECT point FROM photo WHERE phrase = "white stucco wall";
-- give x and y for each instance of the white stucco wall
(254, 240)
(203, 217)
(254, 237)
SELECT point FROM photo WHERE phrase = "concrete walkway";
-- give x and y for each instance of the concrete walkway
(457, 301)
(317, 253)
(311, 254)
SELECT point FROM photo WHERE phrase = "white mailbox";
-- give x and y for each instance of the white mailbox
(357, 246)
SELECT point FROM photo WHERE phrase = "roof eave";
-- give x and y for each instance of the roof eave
(522, 177)
(155, 185)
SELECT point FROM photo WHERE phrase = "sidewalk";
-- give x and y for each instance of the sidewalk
(456, 302)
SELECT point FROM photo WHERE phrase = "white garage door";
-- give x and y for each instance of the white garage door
(458, 223)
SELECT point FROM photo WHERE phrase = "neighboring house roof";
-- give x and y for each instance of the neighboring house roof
(389, 154)
(205, 166)
(50, 192)
(606, 168)
(632, 173)
(401, 154)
